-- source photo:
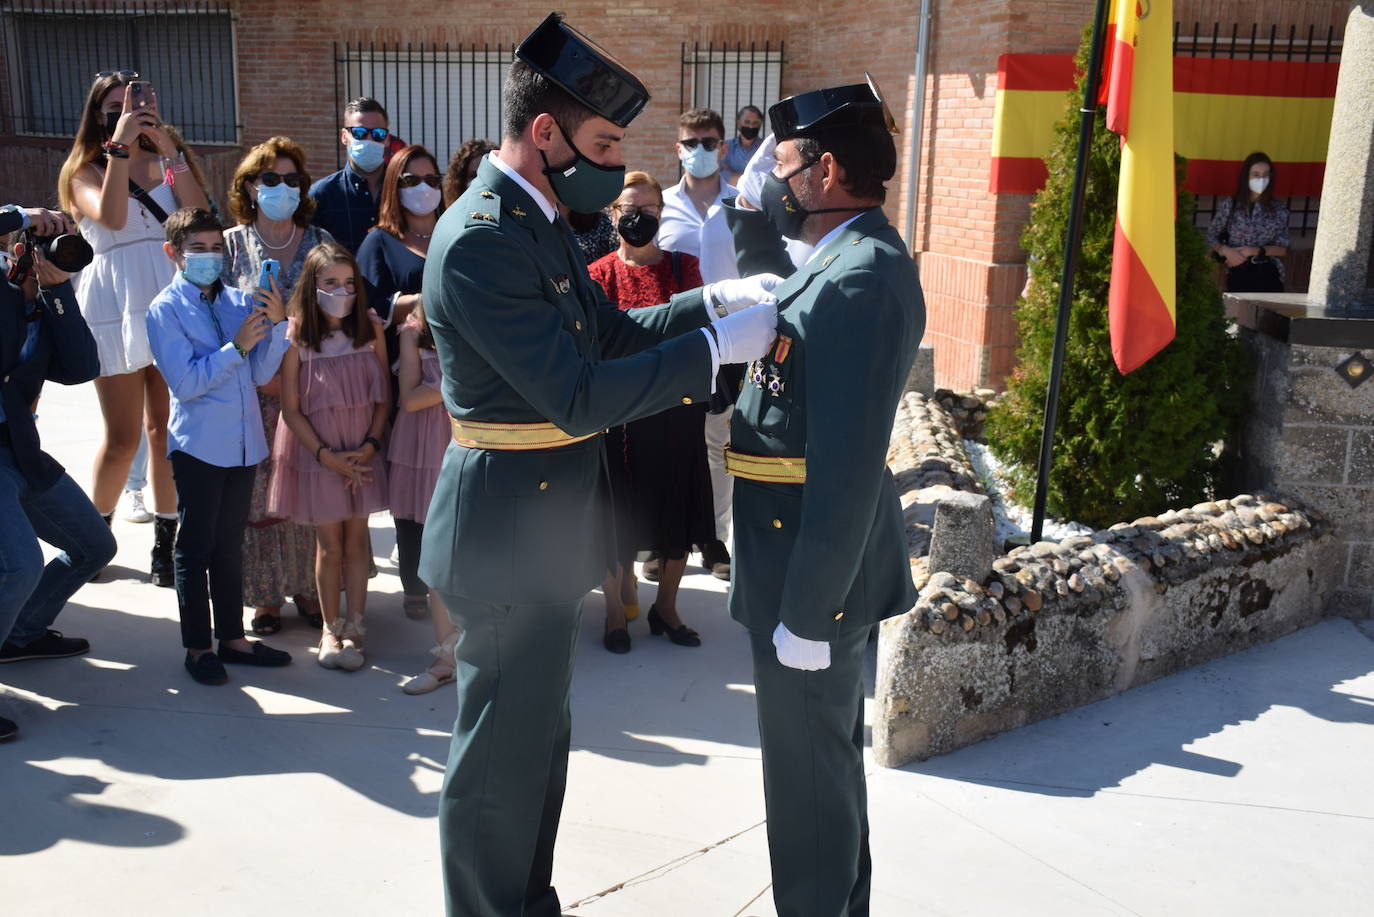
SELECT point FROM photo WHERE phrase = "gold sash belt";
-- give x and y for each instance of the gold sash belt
(512, 437)
(771, 469)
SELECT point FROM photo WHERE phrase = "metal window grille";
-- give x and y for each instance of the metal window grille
(437, 96)
(53, 50)
(728, 77)
(1237, 41)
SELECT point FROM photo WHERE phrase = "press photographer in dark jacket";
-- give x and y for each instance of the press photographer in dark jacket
(42, 337)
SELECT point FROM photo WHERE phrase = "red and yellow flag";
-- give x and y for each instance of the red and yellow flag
(1140, 106)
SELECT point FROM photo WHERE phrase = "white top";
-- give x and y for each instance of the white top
(682, 228)
(128, 272)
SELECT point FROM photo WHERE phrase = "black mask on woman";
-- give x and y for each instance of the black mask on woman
(638, 229)
(748, 133)
(111, 122)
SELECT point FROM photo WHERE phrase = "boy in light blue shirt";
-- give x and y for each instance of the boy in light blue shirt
(213, 345)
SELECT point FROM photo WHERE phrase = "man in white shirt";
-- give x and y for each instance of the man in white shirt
(693, 222)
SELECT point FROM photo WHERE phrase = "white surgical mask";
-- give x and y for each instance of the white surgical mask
(338, 303)
(1258, 185)
(421, 199)
(700, 162)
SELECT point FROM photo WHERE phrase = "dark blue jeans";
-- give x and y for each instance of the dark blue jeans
(32, 594)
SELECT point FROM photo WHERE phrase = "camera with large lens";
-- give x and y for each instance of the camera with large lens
(68, 252)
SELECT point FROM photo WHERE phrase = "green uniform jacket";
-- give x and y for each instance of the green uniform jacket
(829, 554)
(524, 335)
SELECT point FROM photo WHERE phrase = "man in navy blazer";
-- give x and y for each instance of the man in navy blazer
(42, 337)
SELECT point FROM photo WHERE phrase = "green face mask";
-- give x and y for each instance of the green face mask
(582, 185)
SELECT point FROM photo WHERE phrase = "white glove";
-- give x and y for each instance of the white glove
(798, 653)
(743, 292)
(750, 182)
(747, 334)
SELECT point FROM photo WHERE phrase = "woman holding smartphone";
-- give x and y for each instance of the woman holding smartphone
(123, 177)
(269, 202)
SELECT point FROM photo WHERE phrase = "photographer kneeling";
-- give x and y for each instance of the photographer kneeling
(42, 337)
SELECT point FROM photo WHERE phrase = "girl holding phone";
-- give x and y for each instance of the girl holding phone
(122, 178)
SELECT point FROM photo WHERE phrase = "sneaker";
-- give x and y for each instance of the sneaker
(8, 729)
(52, 645)
(134, 510)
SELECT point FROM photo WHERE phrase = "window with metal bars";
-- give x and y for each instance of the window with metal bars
(727, 77)
(52, 52)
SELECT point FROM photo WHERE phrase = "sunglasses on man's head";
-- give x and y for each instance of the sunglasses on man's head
(272, 179)
(410, 180)
(378, 134)
(709, 142)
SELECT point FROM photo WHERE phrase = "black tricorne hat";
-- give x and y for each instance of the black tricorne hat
(809, 113)
(588, 73)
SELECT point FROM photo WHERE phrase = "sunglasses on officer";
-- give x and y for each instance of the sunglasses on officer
(691, 143)
(410, 180)
(272, 179)
(378, 134)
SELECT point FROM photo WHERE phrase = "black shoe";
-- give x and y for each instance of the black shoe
(162, 570)
(682, 635)
(650, 569)
(617, 641)
(715, 557)
(52, 645)
(262, 654)
(8, 729)
(206, 669)
(314, 618)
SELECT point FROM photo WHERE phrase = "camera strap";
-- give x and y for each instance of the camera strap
(146, 199)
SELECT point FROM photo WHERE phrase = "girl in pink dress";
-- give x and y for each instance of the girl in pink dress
(328, 469)
(416, 450)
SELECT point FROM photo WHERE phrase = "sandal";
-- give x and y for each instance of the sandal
(266, 623)
(330, 650)
(310, 610)
(351, 654)
(441, 671)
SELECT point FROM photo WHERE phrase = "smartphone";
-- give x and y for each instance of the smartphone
(141, 95)
(270, 270)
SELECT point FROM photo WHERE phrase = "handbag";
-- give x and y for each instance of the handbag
(143, 197)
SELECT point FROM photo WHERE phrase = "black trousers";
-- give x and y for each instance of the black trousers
(212, 512)
(408, 536)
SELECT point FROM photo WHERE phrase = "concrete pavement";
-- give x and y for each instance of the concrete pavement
(1240, 787)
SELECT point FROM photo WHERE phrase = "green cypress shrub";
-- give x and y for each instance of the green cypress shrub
(1125, 446)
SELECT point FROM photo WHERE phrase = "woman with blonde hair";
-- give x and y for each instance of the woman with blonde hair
(268, 200)
(124, 175)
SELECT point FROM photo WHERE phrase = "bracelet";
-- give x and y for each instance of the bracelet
(243, 354)
(372, 441)
(322, 446)
(115, 150)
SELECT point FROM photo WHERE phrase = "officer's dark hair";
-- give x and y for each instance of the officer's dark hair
(188, 221)
(529, 94)
(867, 155)
(363, 104)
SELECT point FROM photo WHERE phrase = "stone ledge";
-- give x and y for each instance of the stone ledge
(1060, 625)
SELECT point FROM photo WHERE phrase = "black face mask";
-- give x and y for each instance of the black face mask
(748, 133)
(111, 121)
(638, 229)
(785, 211)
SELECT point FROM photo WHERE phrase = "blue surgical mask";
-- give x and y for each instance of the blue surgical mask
(700, 163)
(367, 155)
(278, 202)
(203, 268)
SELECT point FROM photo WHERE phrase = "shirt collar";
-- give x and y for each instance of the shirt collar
(830, 236)
(549, 210)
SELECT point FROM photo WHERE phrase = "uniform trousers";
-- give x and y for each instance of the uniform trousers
(811, 728)
(508, 762)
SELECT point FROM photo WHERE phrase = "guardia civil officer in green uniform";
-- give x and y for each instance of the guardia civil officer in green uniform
(820, 548)
(536, 364)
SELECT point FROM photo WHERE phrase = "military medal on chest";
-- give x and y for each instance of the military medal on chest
(562, 283)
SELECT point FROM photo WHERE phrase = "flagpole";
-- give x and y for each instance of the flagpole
(1087, 119)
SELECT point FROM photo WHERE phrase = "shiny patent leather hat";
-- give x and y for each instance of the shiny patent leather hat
(588, 73)
(809, 113)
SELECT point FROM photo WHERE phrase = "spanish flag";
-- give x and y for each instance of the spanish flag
(1140, 103)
